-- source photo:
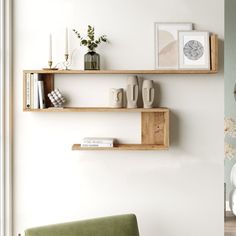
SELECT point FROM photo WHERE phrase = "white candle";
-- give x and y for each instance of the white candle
(66, 42)
(50, 48)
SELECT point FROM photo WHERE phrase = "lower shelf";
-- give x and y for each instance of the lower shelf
(119, 147)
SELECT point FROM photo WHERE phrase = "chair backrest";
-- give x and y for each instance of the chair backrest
(122, 225)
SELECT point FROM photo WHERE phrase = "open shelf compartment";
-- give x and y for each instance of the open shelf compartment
(154, 133)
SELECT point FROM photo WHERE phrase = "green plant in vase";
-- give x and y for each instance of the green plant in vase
(91, 58)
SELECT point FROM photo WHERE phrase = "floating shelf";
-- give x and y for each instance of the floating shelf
(154, 132)
(120, 72)
(97, 109)
(120, 147)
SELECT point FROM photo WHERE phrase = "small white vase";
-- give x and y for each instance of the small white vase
(233, 176)
(232, 201)
(232, 195)
(148, 93)
(132, 92)
(116, 98)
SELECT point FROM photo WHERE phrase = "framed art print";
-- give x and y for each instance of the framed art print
(194, 50)
(166, 44)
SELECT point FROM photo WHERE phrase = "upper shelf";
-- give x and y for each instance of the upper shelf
(213, 66)
(122, 71)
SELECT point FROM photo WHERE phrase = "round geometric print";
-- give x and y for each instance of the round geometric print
(193, 50)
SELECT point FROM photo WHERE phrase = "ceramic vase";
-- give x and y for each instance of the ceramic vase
(116, 98)
(232, 195)
(148, 93)
(132, 92)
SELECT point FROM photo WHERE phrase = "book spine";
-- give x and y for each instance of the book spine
(96, 145)
(36, 94)
(28, 91)
(42, 104)
(98, 140)
(31, 90)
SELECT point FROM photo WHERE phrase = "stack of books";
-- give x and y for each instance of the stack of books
(97, 142)
(35, 97)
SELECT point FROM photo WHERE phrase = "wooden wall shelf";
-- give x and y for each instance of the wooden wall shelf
(154, 131)
(154, 122)
(120, 147)
(96, 109)
(121, 72)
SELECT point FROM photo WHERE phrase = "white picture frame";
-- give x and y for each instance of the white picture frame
(194, 50)
(166, 44)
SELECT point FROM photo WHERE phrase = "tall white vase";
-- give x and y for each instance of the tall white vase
(132, 92)
(148, 93)
(232, 196)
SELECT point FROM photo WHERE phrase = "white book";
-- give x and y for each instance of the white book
(28, 90)
(41, 94)
(31, 90)
(98, 140)
(36, 93)
(96, 145)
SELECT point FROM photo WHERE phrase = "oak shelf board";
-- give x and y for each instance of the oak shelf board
(120, 147)
(98, 109)
(142, 72)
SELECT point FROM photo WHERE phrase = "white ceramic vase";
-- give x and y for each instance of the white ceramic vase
(132, 92)
(116, 98)
(148, 93)
(232, 195)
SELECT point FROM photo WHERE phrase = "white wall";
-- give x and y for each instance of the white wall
(173, 193)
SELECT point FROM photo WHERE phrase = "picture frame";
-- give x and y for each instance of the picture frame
(166, 43)
(194, 50)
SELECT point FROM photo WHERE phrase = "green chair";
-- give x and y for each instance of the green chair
(122, 225)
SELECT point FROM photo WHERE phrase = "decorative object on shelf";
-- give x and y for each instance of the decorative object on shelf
(97, 142)
(194, 50)
(56, 98)
(116, 97)
(166, 44)
(50, 62)
(148, 93)
(132, 92)
(66, 63)
(91, 59)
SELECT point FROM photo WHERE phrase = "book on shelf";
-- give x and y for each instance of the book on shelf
(28, 91)
(34, 91)
(98, 140)
(42, 104)
(101, 145)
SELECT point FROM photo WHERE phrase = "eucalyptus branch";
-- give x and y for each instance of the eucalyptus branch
(90, 42)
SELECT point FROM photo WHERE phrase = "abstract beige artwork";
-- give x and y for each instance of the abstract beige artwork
(166, 44)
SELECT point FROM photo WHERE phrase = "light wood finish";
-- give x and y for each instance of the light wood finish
(48, 86)
(214, 52)
(230, 224)
(97, 109)
(153, 128)
(135, 72)
(120, 147)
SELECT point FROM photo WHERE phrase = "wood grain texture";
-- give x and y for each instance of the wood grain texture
(48, 80)
(120, 147)
(153, 128)
(97, 109)
(214, 52)
(135, 72)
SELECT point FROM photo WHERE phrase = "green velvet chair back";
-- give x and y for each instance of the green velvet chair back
(123, 225)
